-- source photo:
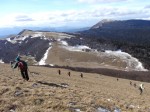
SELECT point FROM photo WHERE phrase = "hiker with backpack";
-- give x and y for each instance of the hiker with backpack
(22, 65)
(141, 88)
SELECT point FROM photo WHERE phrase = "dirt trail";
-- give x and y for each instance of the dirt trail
(51, 92)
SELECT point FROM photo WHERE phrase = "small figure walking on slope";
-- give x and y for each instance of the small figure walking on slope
(141, 88)
(81, 75)
(130, 82)
(69, 74)
(135, 85)
(59, 72)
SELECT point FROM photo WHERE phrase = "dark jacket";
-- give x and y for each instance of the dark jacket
(21, 64)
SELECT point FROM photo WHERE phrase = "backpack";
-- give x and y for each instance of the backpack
(22, 65)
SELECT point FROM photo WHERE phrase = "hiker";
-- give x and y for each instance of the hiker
(117, 79)
(130, 83)
(59, 72)
(22, 65)
(69, 74)
(81, 75)
(141, 88)
(135, 85)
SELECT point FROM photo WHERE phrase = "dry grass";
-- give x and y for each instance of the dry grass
(45, 93)
(63, 57)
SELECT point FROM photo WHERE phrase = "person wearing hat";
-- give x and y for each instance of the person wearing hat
(22, 65)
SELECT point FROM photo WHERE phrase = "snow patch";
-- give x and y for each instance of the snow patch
(1, 61)
(77, 48)
(51, 65)
(64, 43)
(20, 42)
(26, 41)
(14, 41)
(42, 61)
(45, 38)
(8, 39)
(11, 41)
(22, 38)
(37, 34)
(58, 39)
(131, 61)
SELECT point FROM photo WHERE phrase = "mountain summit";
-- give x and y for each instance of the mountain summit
(101, 23)
(122, 24)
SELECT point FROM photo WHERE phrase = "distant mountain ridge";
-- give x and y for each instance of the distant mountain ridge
(130, 31)
(102, 45)
(4, 32)
(101, 23)
(122, 24)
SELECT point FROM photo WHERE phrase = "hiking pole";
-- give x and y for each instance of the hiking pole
(32, 75)
(11, 63)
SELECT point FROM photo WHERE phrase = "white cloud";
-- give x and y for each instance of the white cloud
(53, 18)
(23, 18)
(147, 7)
(73, 17)
(100, 1)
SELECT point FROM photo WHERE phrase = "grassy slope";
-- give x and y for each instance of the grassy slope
(87, 94)
(60, 56)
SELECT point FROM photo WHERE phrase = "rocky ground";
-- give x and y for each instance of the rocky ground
(47, 91)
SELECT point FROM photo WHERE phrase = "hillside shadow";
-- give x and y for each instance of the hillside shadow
(52, 84)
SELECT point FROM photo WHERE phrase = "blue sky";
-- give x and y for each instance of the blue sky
(78, 13)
